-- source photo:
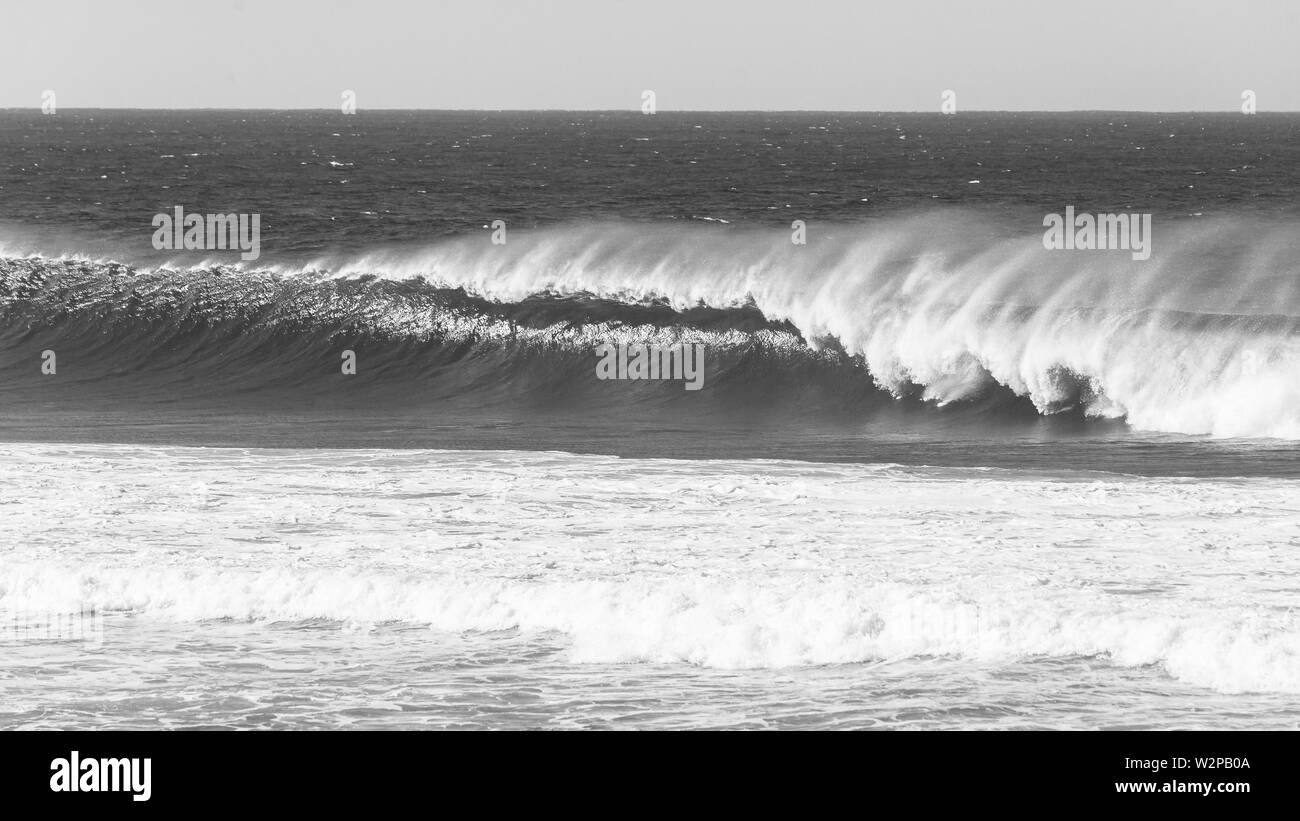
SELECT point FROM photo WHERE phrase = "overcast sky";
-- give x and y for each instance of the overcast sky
(1165, 55)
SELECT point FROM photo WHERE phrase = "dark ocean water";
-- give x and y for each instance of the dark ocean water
(923, 322)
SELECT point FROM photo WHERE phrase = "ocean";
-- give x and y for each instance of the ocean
(936, 474)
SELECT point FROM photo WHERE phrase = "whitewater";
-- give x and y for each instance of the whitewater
(572, 568)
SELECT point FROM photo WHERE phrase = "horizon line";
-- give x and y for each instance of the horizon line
(335, 109)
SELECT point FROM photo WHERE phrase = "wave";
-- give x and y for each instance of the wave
(944, 309)
(729, 624)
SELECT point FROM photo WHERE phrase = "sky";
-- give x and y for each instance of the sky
(844, 55)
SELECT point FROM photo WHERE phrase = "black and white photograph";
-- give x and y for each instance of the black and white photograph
(714, 365)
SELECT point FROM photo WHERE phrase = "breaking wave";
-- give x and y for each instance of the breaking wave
(943, 309)
(737, 624)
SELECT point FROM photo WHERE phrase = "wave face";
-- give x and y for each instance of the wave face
(940, 309)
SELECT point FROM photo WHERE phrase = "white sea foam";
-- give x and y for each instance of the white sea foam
(755, 564)
(735, 623)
